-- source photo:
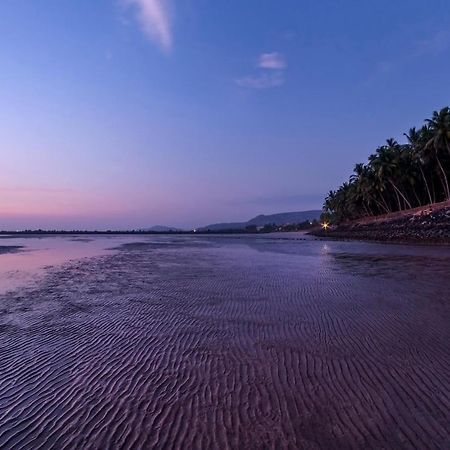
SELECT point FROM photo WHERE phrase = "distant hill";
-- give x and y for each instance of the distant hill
(261, 220)
(161, 229)
(224, 226)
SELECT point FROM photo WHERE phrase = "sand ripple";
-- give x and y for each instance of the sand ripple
(222, 347)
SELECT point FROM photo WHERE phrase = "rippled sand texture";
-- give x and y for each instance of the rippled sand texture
(210, 343)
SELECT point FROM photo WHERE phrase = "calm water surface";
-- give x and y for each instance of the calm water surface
(27, 263)
(31, 256)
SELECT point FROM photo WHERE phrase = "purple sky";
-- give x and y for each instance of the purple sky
(131, 113)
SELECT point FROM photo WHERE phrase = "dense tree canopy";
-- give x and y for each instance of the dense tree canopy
(398, 176)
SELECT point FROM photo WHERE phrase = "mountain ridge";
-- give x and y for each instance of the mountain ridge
(283, 218)
(161, 229)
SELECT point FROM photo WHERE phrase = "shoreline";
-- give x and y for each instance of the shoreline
(377, 238)
(10, 249)
(427, 225)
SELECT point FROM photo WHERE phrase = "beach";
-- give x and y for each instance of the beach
(428, 224)
(229, 342)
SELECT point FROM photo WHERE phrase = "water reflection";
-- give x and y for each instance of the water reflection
(25, 259)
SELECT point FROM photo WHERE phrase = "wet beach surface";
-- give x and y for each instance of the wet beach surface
(25, 259)
(226, 342)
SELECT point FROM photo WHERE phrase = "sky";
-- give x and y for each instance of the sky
(123, 114)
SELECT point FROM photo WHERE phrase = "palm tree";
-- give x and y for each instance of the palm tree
(439, 128)
(365, 189)
(385, 163)
(416, 142)
(398, 176)
(395, 159)
(439, 125)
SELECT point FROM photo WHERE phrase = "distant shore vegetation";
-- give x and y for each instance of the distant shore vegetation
(397, 176)
(267, 228)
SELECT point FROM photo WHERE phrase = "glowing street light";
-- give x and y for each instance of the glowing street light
(325, 226)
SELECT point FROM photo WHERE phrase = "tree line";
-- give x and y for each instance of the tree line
(397, 176)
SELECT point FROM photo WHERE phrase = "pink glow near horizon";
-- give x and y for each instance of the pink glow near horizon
(41, 207)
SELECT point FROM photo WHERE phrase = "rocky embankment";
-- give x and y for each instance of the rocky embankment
(427, 224)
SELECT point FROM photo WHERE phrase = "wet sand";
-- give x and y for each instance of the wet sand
(9, 248)
(25, 258)
(240, 343)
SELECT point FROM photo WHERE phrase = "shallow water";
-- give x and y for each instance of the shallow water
(274, 341)
(24, 260)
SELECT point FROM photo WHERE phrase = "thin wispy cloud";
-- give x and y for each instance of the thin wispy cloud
(155, 21)
(271, 74)
(272, 60)
(262, 81)
(437, 43)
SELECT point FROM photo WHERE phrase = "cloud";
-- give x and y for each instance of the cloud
(155, 21)
(433, 45)
(271, 75)
(437, 43)
(262, 81)
(273, 60)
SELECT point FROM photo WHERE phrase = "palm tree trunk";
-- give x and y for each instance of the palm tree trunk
(419, 201)
(382, 207)
(388, 210)
(444, 179)
(398, 191)
(434, 190)
(426, 183)
(366, 210)
(369, 209)
(399, 205)
(398, 201)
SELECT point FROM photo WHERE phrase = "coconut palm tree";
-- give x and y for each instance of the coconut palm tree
(439, 126)
(415, 140)
(439, 141)
(398, 176)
